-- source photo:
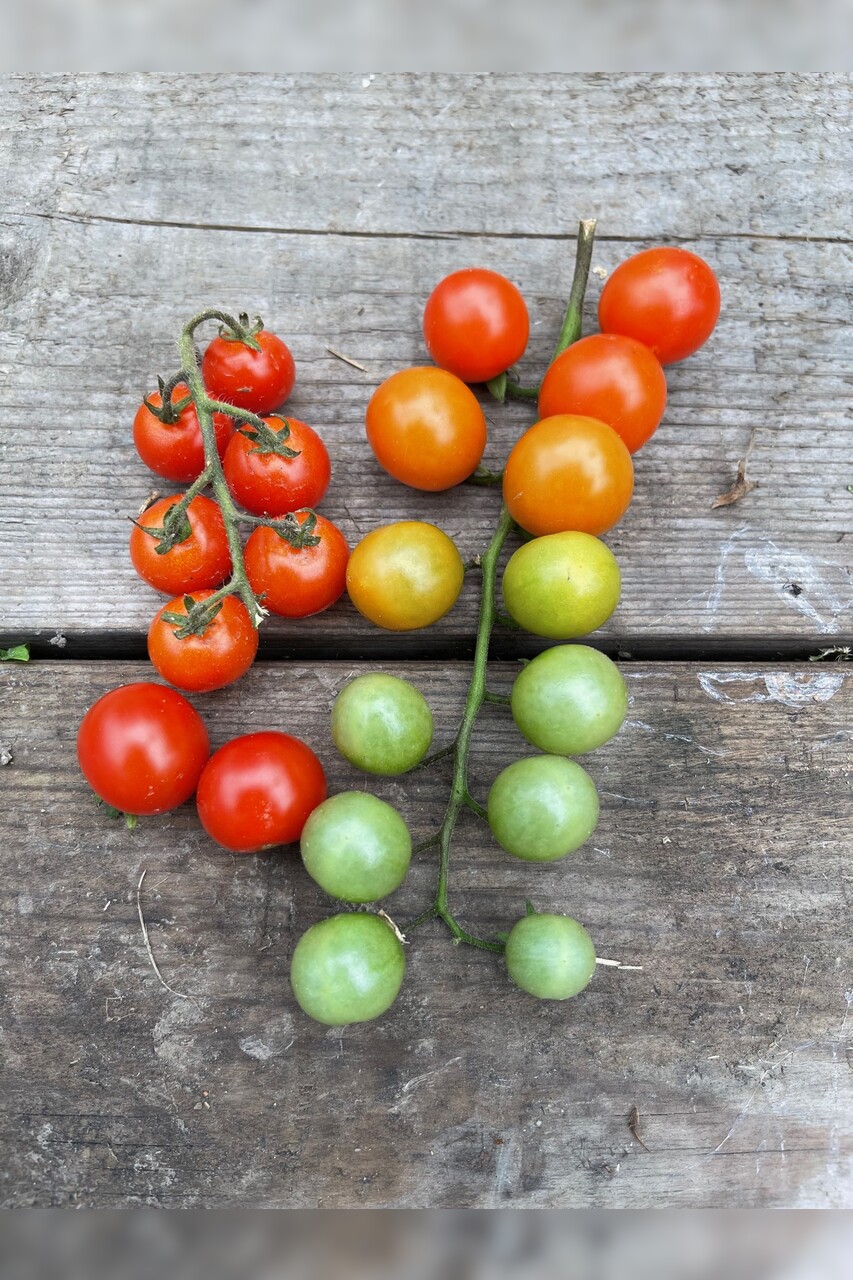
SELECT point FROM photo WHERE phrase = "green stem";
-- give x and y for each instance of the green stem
(499, 699)
(573, 322)
(516, 392)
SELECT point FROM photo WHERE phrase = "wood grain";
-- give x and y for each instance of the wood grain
(721, 865)
(331, 208)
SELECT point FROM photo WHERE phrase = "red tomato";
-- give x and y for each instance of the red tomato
(476, 324)
(259, 791)
(201, 560)
(568, 473)
(668, 299)
(259, 381)
(426, 428)
(298, 581)
(175, 450)
(142, 748)
(612, 378)
(222, 654)
(269, 483)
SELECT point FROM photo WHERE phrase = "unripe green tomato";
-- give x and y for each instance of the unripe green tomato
(382, 724)
(542, 808)
(549, 956)
(356, 847)
(569, 700)
(562, 586)
(346, 969)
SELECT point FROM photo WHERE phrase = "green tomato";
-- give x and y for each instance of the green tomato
(356, 847)
(563, 585)
(382, 724)
(569, 700)
(542, 808)
(550, 956)
(346, 969)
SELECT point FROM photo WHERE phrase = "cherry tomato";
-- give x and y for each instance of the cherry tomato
(612, 378)
(200, 663)
(382, 724)
(175, 450)
(201, 560)
(426, 428)
(347, 969)
(476, 324)
(569, 700)
(258, 790)
(266, 480)
(666, 298)
(405, 575)
(298, 581)
(568, 473)
(259, 381)
(542, 808)
(142, 748)
(356, 847)
(550, 956)
(562, 586)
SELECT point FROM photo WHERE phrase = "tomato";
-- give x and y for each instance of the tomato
(356, 847)
(298, 581)
(666, 298)
(259, 381)
(542, 808)
(266, 479)
(476, 324)
(612, 378)
(347, 969)
(175, 450)
(142, 748)
(569, 700)
(382, 724)
(406, 575)
(200, 663)
(426, 428)
(258, 790)
(568, 473)
(549, 956)
(562, 586)
(200, 560)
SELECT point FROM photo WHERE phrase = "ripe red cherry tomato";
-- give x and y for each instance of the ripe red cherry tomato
(175, 450)
(568, 473)
(201, 560)
(426, 428)
(476, 324)
(298, 581)
(142, 748)
(222, 654)
(259, 791)
(612, 378)
(259, 381)
(666, 298)
(270, 483)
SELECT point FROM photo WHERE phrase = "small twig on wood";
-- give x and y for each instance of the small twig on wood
(634, 1128)
(400, 936)
(741, 486)
(180, 994)
(346, 359)
(617, 964)
(149, 501)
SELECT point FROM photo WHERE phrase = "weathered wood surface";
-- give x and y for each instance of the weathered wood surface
(721, 865)
(331, 205)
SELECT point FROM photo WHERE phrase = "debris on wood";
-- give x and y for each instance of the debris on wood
(835, 653)
(634, 1127)
(6, 754)
(741, 486)
(346, 359)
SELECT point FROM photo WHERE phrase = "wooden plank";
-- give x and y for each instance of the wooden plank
(721, 865)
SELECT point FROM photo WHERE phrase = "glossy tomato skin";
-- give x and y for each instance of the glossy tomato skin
(356, 847)
(542, 808)
(142, 748)
(569, 700)
(382, 724)
(348, 968)
(612, 378)
(175, 450)
(666, 298)
(201, 663)
(259, 790)
(272, 485)
(405, 575)
(476, 324)
(259, 381)
(550, 956)
(200, 561)
(562, 586)
(298, 581)
(426, 428)
(568, 473)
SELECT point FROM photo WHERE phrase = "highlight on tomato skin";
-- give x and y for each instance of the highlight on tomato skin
(666, 298)
(476, 324)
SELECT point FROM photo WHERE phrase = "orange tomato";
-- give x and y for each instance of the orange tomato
(568, 473)
(426, 428)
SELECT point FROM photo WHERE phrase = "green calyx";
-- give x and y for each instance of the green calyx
(176, 528)
(243, 331)
(198, 617)
(267, 441)
(166, 411)
(298, 535)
